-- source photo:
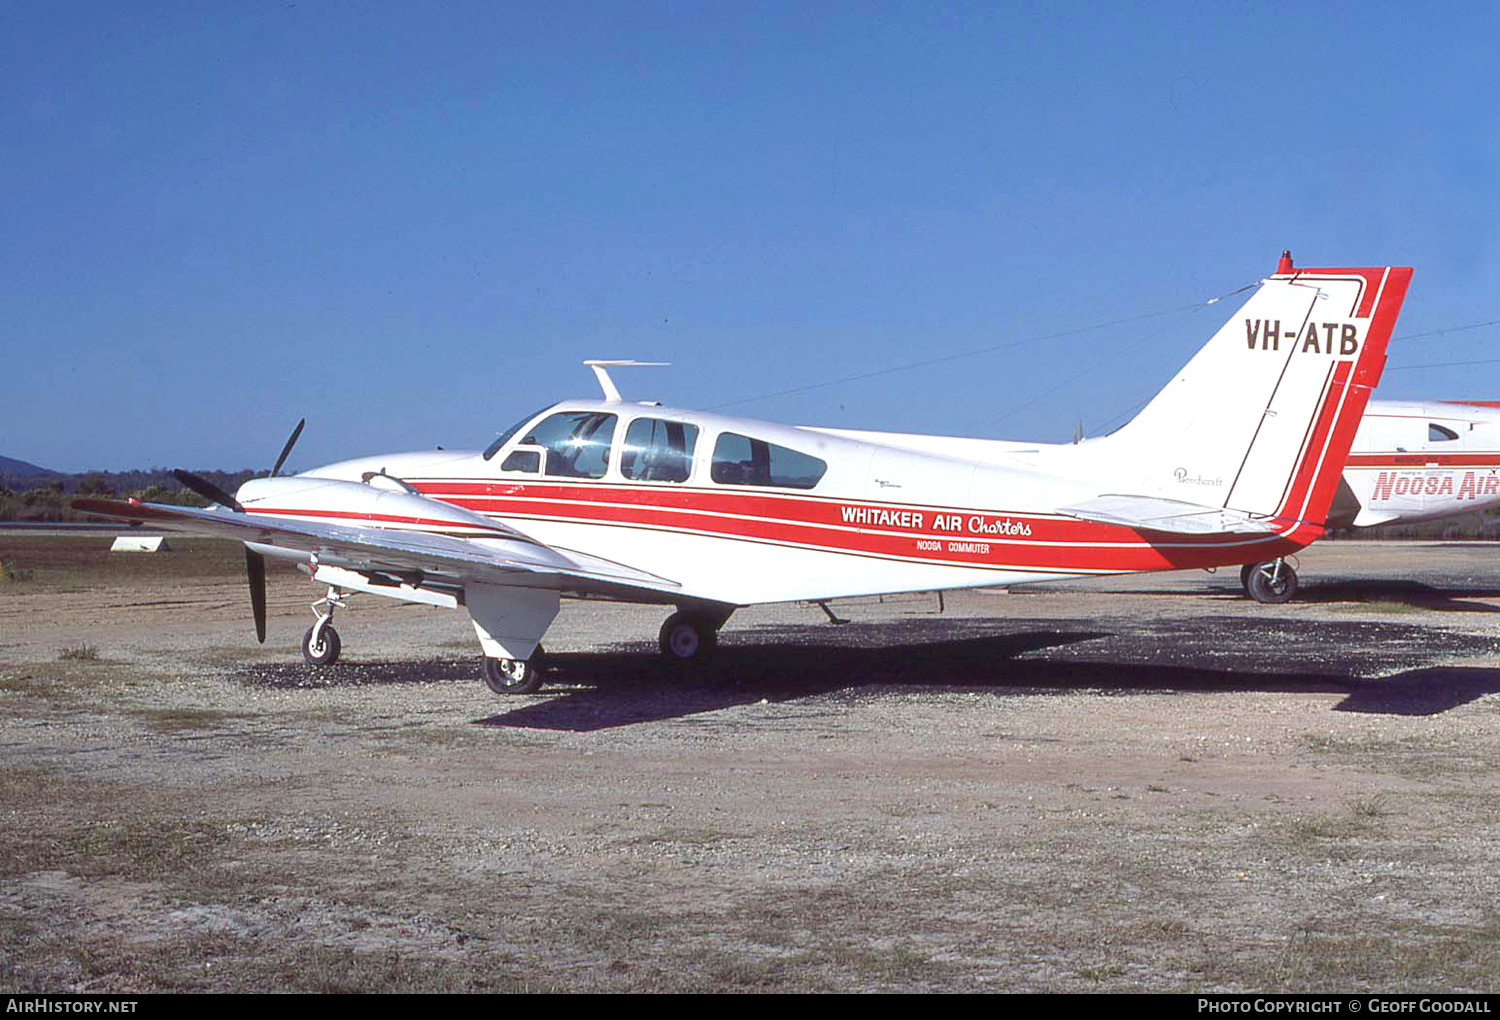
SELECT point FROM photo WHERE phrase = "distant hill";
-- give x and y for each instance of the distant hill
(13, 468)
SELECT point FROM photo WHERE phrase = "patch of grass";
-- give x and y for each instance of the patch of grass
(1102, 973)
(140, 847)
(1411, 757)
(239, 963)
(733, 972)
(12, 574)
(97, 828)
(16, 682)
(682, 837)
(174, 720)
(67, 684)
(17, 936)
(1343, 955)
(1369, 807)
(83, 652)
(328, 969)
(831, 967)
(905, 810)
(83, 562)
(1309, 834)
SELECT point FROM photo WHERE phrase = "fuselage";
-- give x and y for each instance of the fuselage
(741, 511)
(1420, 461)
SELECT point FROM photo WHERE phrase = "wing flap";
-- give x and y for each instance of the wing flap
(1150, 513)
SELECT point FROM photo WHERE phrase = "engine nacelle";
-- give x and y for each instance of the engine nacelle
(380, 503)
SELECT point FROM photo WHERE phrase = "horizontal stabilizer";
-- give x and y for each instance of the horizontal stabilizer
(1149, 513)
(1367, 518)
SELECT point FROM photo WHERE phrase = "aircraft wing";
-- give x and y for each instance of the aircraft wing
(1148, 513)
(509, 558)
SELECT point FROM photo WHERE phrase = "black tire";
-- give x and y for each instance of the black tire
(325, 654)
(687, 639)
(1245, 576)
(516, 676)
(1270, 584)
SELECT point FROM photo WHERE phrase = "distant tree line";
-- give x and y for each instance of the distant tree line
(50, 497)
(1469, 527)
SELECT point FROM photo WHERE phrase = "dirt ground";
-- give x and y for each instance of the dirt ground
(1135, 783)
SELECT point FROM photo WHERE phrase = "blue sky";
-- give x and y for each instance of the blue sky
(409, 223)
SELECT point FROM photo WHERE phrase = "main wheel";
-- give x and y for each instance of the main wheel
(326, 652)
(1272, 582)
(687, 639)
(516, 676)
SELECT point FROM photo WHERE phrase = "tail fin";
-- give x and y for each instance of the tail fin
(1260, 421)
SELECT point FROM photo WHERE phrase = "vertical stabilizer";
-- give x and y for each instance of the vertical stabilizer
(1261, 419)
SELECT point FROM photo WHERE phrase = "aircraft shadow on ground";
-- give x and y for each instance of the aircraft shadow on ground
(630, 684)
(1393, 592)
(600, 690)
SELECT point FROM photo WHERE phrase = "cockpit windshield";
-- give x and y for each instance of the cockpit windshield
(505, 437)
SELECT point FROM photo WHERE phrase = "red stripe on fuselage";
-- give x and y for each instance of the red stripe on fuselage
(1055, 544)
(1408, 460)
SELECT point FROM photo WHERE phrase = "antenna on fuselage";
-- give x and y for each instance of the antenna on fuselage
(601, 372)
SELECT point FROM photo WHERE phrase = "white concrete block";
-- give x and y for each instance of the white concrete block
(140, 543)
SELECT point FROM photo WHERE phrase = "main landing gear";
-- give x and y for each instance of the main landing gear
(687, 641)
(516, 676)
(1272, 582)
(321, 644)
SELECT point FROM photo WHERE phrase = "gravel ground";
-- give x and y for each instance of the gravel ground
(1140, 783)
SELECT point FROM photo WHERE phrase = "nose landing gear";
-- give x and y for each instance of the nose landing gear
(321, 644)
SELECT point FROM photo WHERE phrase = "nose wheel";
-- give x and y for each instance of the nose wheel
(516, 676)
(321, 644)
(321, 649)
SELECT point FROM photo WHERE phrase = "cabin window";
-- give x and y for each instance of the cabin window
(1439, 434)
(529, 461)
(657, 450)
(576, 443)
(505, 437)
(741, 460)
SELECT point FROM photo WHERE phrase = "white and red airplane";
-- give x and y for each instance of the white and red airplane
(1410, 462)
(1236, 459)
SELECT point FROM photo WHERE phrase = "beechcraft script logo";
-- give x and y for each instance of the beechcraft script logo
(1337, 339)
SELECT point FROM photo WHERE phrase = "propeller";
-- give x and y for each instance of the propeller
(255, 563)
(255, 571)
(208, 490)
(291, 441)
